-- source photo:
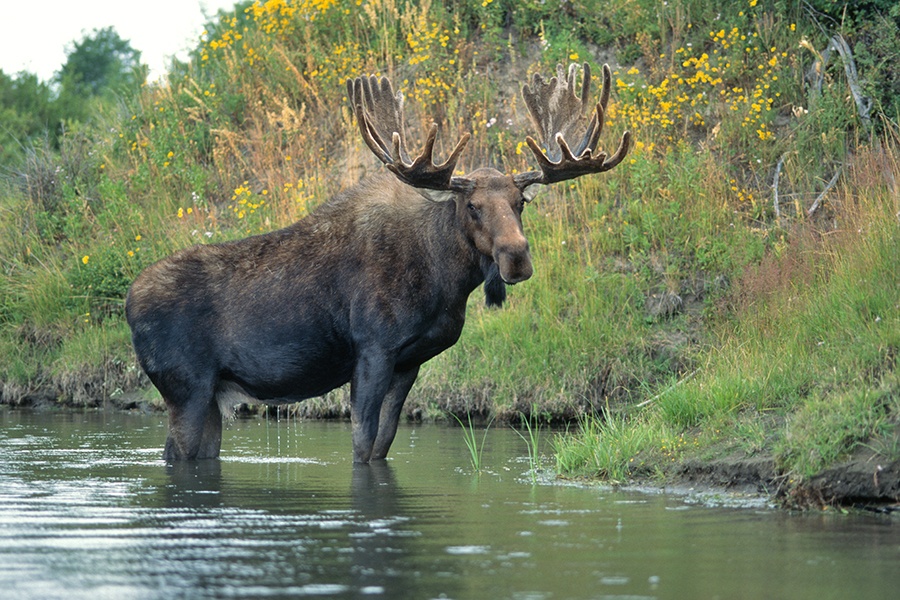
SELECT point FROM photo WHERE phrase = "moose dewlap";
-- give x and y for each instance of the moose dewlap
(365, 289)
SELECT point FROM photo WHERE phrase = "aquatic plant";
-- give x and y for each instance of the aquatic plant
(473, 444)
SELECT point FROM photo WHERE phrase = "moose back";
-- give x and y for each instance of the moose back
(365, 289)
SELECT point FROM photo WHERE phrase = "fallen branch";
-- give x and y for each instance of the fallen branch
(815, 205)
(817, 73)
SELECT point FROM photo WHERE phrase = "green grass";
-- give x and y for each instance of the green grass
(816, 351)
(532, 438)
(473, 443)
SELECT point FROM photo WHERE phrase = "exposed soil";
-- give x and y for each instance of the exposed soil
(861, 482)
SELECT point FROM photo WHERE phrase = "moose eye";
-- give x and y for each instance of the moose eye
(473, 210)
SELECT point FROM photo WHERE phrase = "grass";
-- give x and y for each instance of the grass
(784, 317)
(473, 444)
(812, 344)
(532, 439)
(606, 448)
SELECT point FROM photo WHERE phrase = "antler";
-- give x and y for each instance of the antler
(380, 115)
(558, 115)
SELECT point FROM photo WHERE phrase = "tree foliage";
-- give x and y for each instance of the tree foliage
(102, 61)
(34, 112)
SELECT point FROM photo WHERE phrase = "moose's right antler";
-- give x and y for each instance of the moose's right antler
(380, 115)
(557, 114)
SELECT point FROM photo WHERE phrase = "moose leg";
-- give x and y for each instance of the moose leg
(372, 378)
(195, 422)
(195, 431)
(401, 383)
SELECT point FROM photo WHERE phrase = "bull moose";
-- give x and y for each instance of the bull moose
(367, 288)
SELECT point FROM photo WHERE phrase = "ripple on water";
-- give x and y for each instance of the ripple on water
(467, 550)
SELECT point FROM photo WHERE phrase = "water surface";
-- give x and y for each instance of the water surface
(88, 510)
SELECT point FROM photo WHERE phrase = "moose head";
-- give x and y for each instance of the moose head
(490, 203)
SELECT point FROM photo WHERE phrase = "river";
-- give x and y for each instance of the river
(89, 510)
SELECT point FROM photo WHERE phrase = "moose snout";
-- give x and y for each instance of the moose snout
(514, 261)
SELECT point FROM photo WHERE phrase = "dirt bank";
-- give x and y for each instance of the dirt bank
(861, 481)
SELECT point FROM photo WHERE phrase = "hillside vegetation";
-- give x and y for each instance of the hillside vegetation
(733, 288)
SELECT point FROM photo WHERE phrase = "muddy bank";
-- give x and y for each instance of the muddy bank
(861, 481)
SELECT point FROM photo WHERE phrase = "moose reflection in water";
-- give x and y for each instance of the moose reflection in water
(365, 289)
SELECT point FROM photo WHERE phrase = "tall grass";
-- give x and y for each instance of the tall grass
(532, 438)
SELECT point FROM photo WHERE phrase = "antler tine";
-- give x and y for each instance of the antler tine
(379, 112)
(554, 102)
(380, 115)
(554, 107)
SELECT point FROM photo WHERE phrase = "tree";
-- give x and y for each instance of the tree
(28, 112)
(101, 61)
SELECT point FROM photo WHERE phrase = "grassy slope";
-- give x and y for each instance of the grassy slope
(782, 335)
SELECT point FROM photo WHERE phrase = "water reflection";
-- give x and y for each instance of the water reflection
(195, 485)
(88, 510)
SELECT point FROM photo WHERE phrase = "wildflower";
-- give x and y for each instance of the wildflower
(137, 238)
(85, 259)
(180, 213)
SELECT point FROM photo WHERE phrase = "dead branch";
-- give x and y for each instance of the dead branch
(816, 74)
(667, 390)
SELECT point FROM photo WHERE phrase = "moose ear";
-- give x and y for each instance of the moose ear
(531, 191)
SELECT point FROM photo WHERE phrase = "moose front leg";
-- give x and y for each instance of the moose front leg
(372, 378)
(401, 383)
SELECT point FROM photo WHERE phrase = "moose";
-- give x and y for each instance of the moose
(365, 289)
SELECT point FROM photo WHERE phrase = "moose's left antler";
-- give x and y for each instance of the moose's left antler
(558, 115)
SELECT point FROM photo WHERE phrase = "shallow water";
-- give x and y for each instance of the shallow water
(88, 510)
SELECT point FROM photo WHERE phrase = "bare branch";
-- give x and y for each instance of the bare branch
(775, 188)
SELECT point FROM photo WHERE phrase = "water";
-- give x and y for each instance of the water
(88, 510)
